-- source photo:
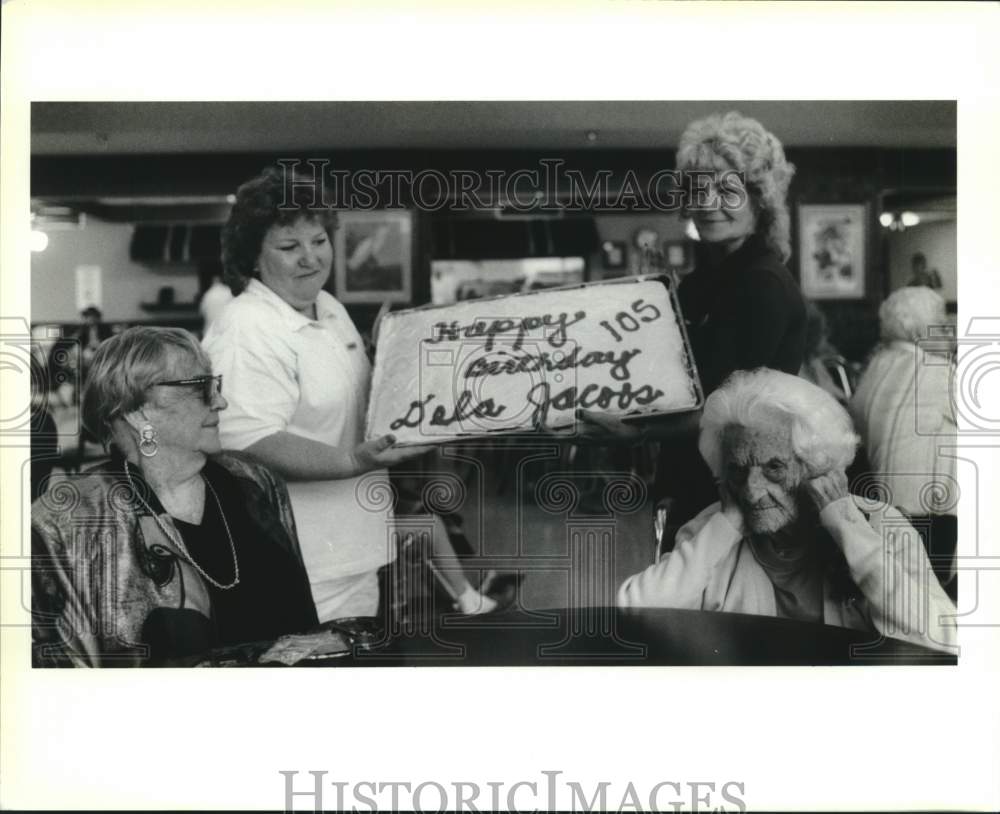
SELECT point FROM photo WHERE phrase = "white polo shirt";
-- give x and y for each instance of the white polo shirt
(285, 372)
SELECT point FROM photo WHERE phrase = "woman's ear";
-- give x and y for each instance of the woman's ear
(137, 419)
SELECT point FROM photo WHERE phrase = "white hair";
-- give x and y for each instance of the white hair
(908, 312)
(823, 436)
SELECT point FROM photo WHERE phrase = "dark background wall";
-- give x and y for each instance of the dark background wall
(863, 176)
(824, 175)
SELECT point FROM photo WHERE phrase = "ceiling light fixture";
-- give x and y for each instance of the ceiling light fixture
(39, 241)
(898, 221)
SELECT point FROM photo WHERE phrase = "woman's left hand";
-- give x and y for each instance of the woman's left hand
(827, 488)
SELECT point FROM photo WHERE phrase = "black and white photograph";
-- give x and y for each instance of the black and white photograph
(428, 400)
(373, 254)
(498, 473)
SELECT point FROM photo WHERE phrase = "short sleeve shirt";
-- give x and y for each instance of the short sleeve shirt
(285, 372)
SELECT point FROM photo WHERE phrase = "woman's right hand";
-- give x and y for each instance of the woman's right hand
(380, 453)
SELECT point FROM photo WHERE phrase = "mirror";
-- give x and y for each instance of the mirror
(919, 232)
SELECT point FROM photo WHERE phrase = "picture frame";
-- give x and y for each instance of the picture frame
(373, 257)
(832, 250)
(614, 254)
(678, 255)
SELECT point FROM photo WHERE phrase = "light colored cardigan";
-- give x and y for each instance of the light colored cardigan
(903, 410)
(712, 568)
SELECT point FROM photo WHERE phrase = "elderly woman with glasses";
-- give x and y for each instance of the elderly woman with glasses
(786, 538)
(170, 549)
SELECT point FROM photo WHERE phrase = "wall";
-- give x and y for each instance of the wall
(825, 175)
(855, 175)
(938, 241)
(623, 228)
(124, 284)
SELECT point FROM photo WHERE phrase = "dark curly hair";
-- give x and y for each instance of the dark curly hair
(275, 197)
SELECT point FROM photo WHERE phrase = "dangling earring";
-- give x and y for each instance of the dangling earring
(148, 445)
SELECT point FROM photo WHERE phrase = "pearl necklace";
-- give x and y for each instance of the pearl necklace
(179, 542)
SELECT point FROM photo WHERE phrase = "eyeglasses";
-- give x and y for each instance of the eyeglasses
(211, 386)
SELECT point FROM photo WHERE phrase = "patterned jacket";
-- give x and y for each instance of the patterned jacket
(101, 563)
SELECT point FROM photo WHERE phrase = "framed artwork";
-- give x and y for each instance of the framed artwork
(373, 257)
(614, 254)
(678, 254)
(832, 250)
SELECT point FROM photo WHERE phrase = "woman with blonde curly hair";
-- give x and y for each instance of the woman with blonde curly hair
(741, 306)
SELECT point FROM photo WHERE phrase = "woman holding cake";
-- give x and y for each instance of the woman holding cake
(742, 307)
(297, 376)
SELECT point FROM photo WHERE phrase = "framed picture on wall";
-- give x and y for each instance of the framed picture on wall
(832, 250)
(614, 254)
(678, 254)
(373, 257)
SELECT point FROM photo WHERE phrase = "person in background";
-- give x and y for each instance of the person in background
(786, 538)
(91, 334)
(741, 305)
(216, 297)
(819, 352)
(70, 357)
(904, 413)
(921, 275)
(44, 431)
(300, 379)
(182, 549)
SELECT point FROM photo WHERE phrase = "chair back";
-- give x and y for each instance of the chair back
(839, 369)
(663, 531)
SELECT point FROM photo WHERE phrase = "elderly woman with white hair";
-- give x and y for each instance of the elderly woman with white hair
(786, 538)
(903, 410)
(171, 548)
(903, 406)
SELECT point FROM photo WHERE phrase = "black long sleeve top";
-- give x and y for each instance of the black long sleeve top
(746, 313)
